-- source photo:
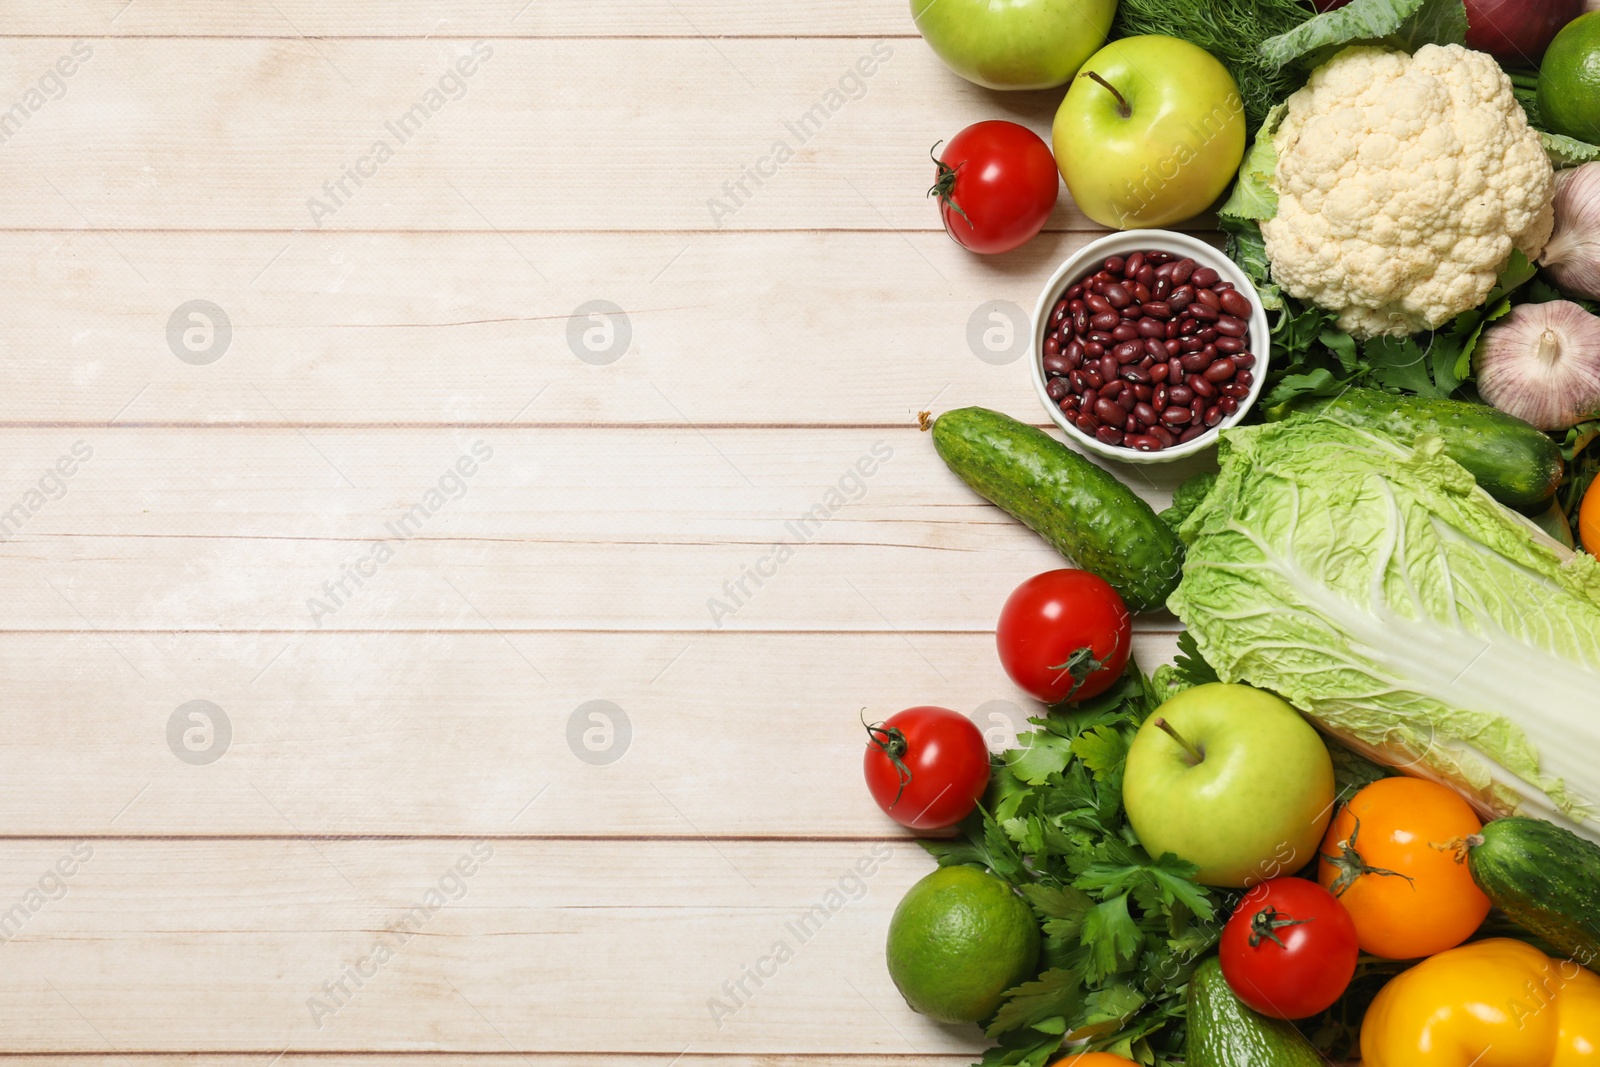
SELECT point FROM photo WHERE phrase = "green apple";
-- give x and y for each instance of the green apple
(1014, 44)
(1231, 779)
(1150, 133)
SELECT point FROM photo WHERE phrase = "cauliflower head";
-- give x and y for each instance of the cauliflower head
(1404, 182)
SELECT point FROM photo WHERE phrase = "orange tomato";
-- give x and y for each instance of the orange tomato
(1094, 1059)
(1390, 858)
(1589, 519)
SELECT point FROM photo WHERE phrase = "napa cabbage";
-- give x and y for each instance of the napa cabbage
(1408, 614)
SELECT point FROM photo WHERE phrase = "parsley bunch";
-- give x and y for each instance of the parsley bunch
(1122, 930)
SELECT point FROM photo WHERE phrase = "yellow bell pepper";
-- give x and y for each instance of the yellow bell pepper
(1493, 1003)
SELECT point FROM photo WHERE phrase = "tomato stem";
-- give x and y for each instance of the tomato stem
(944, 186)
(891, 741)
(1081, 664)
(1196, 753)
(1266, 923)
(1351, 866)
(1122, 102)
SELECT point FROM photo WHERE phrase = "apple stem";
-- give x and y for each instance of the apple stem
(1122, 103)
(1194, 751)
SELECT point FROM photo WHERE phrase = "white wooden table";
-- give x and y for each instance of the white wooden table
(366, 470)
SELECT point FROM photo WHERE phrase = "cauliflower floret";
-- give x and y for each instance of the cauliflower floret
(1404, 182)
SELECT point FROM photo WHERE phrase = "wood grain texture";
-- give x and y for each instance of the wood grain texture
(500, 946)
(469, 18)
(575, 135)
(678, 528)
(726, 734)
(351, 329)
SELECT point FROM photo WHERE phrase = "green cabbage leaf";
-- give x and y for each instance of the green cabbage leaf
(1380, 591)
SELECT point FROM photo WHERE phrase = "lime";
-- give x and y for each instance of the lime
(958, 940)
(1569, 80)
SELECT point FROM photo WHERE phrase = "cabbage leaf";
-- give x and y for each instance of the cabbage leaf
(1380, 591)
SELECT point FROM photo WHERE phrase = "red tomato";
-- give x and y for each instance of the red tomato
(997, 185)
(1064, 635)
(1290, 948)
(926, 767)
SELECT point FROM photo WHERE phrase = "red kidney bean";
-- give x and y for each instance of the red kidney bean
(1145, 414)
(1190, 434)
(1140, 291)
(1156, 349)
(1244, 361)
(1108, 411)
(1077, 380)
(1126, 400)
(1234, 303)
(1189, 327)
(1107, 367)
(1128, 352)
(1069, 408)
(1131, 424)
(1108, 435)
(1115, 264)
(1159, 257)
(1135, 374)
(1092, 379)
(1058, 389)
(1087, 397)
(1057, 365)
(1133, 311)
(1097, 303)
(1158, 373)
(1088, 424)
(1101, 338)
(1181, 296)
(1164, 435)
(1179, 394)
(1190, 344)
(1131, 265)
(1176, 416)
(1161, 288)
(1220, 371)
(1110, 390)
(1174, 369)
(1157, 310)
(1173, 326)
(1173, 347)
(1052, 345)
(1197, 410)
(1182, 271)
(1208, 334)
(1147, 276)
(1141, 392)
(1093, 349)
(1229, 346)
(1231, 326)
(1075, 292)
(1061, 313)
(1194, 362)
(1201, 312)
(1142, 443)
(1244, 378)
(1234, 389)
(1074, 353)
(1208, 298)
(1205, 277)
(1103, 321)
(1125, 331)
(1213, 414)
(1229, 405)
(1152, 328)
(1118, 296)
(1160, 398)
(1201, 387)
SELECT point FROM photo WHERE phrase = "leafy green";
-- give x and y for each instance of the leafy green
(1187, 497)
(1568, 151)
(1122, 930)
(1379, 590)
(1255, 196)
(1231, 30)
(1406, 24)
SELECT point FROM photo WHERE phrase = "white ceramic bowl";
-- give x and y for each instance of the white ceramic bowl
(1088, 260)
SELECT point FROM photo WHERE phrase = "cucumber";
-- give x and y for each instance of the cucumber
(1225, 1033)
(1085, 513)
(1546, 878)
(1513, 462)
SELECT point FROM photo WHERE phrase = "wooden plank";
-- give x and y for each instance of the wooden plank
(544, 135)
(676, 529)
(816, 329)
(541, 947)
(550, 734)
(465, 18)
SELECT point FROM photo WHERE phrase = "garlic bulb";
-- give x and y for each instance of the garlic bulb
(1572, 258)
(1541, 363)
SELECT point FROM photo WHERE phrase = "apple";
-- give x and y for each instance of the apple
(1150, 133)
(1231, 779)
(1014, 44)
